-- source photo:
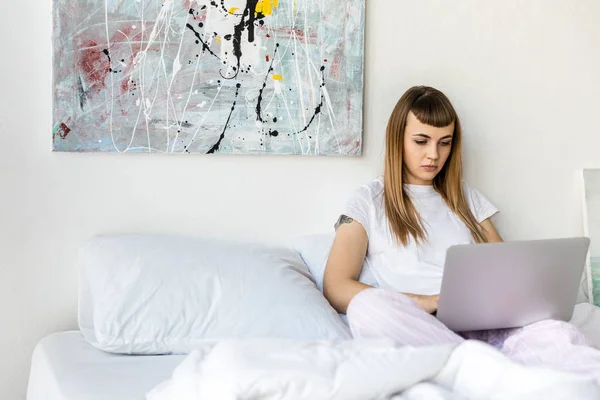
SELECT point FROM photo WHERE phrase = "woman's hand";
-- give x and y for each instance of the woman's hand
(427, 303)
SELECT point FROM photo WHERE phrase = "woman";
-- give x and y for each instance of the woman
(401, 226)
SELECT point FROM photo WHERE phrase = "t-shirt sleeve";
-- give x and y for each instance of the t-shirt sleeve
(358, 207)
(481, 207)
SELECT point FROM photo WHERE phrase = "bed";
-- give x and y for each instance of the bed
(130, 291)
(66, 367)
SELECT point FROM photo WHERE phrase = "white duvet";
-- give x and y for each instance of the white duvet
(375, 369)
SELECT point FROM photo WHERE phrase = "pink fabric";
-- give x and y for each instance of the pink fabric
(376, 313)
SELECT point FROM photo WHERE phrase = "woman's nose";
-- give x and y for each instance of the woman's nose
(433, 153)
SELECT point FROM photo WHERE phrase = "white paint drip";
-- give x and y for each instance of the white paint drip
(277, 86)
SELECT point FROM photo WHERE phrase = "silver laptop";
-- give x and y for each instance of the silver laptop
(511, 284)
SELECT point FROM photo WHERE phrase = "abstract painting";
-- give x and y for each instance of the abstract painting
(209, 76)
(591, 179)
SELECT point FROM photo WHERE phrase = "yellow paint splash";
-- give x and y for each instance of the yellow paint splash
(218, 39)
(277, 78)
(265, 7)
(232, 10)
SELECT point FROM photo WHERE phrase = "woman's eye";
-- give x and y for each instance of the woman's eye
(421, 142)
(445, 143)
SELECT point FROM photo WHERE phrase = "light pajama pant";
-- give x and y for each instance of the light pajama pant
(377, 313)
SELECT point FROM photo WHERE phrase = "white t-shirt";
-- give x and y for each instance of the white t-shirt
(413, 268)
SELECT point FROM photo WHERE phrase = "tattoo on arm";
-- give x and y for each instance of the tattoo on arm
(342, 220)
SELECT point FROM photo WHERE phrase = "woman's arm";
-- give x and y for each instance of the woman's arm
(340, 282)
(489, 232)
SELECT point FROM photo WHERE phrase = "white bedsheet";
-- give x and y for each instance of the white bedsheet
(65, 367)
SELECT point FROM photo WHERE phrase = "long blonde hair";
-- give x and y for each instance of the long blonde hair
(431, 107)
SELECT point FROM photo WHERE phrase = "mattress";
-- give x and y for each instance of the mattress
(65, 367)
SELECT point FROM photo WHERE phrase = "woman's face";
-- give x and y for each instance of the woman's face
(426, 149)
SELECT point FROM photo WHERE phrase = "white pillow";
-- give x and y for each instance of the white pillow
(314, 250)
(145, 294)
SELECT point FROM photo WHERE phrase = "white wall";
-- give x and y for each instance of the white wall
(523, 76)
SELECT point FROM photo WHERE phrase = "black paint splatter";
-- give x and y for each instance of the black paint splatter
(83, 95)
(318, 107)
(216, 146)
(237, 33)
(317, 111)
(223, 6)
(204, 45)
(105, 51)
(247, 21)
(260, 93)
(110, 69)
(250, 8)
(214, 4)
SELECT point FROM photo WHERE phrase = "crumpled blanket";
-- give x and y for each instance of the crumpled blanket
(362, 369)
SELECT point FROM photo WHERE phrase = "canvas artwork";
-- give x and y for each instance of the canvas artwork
(209, 76)
(592, 229)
